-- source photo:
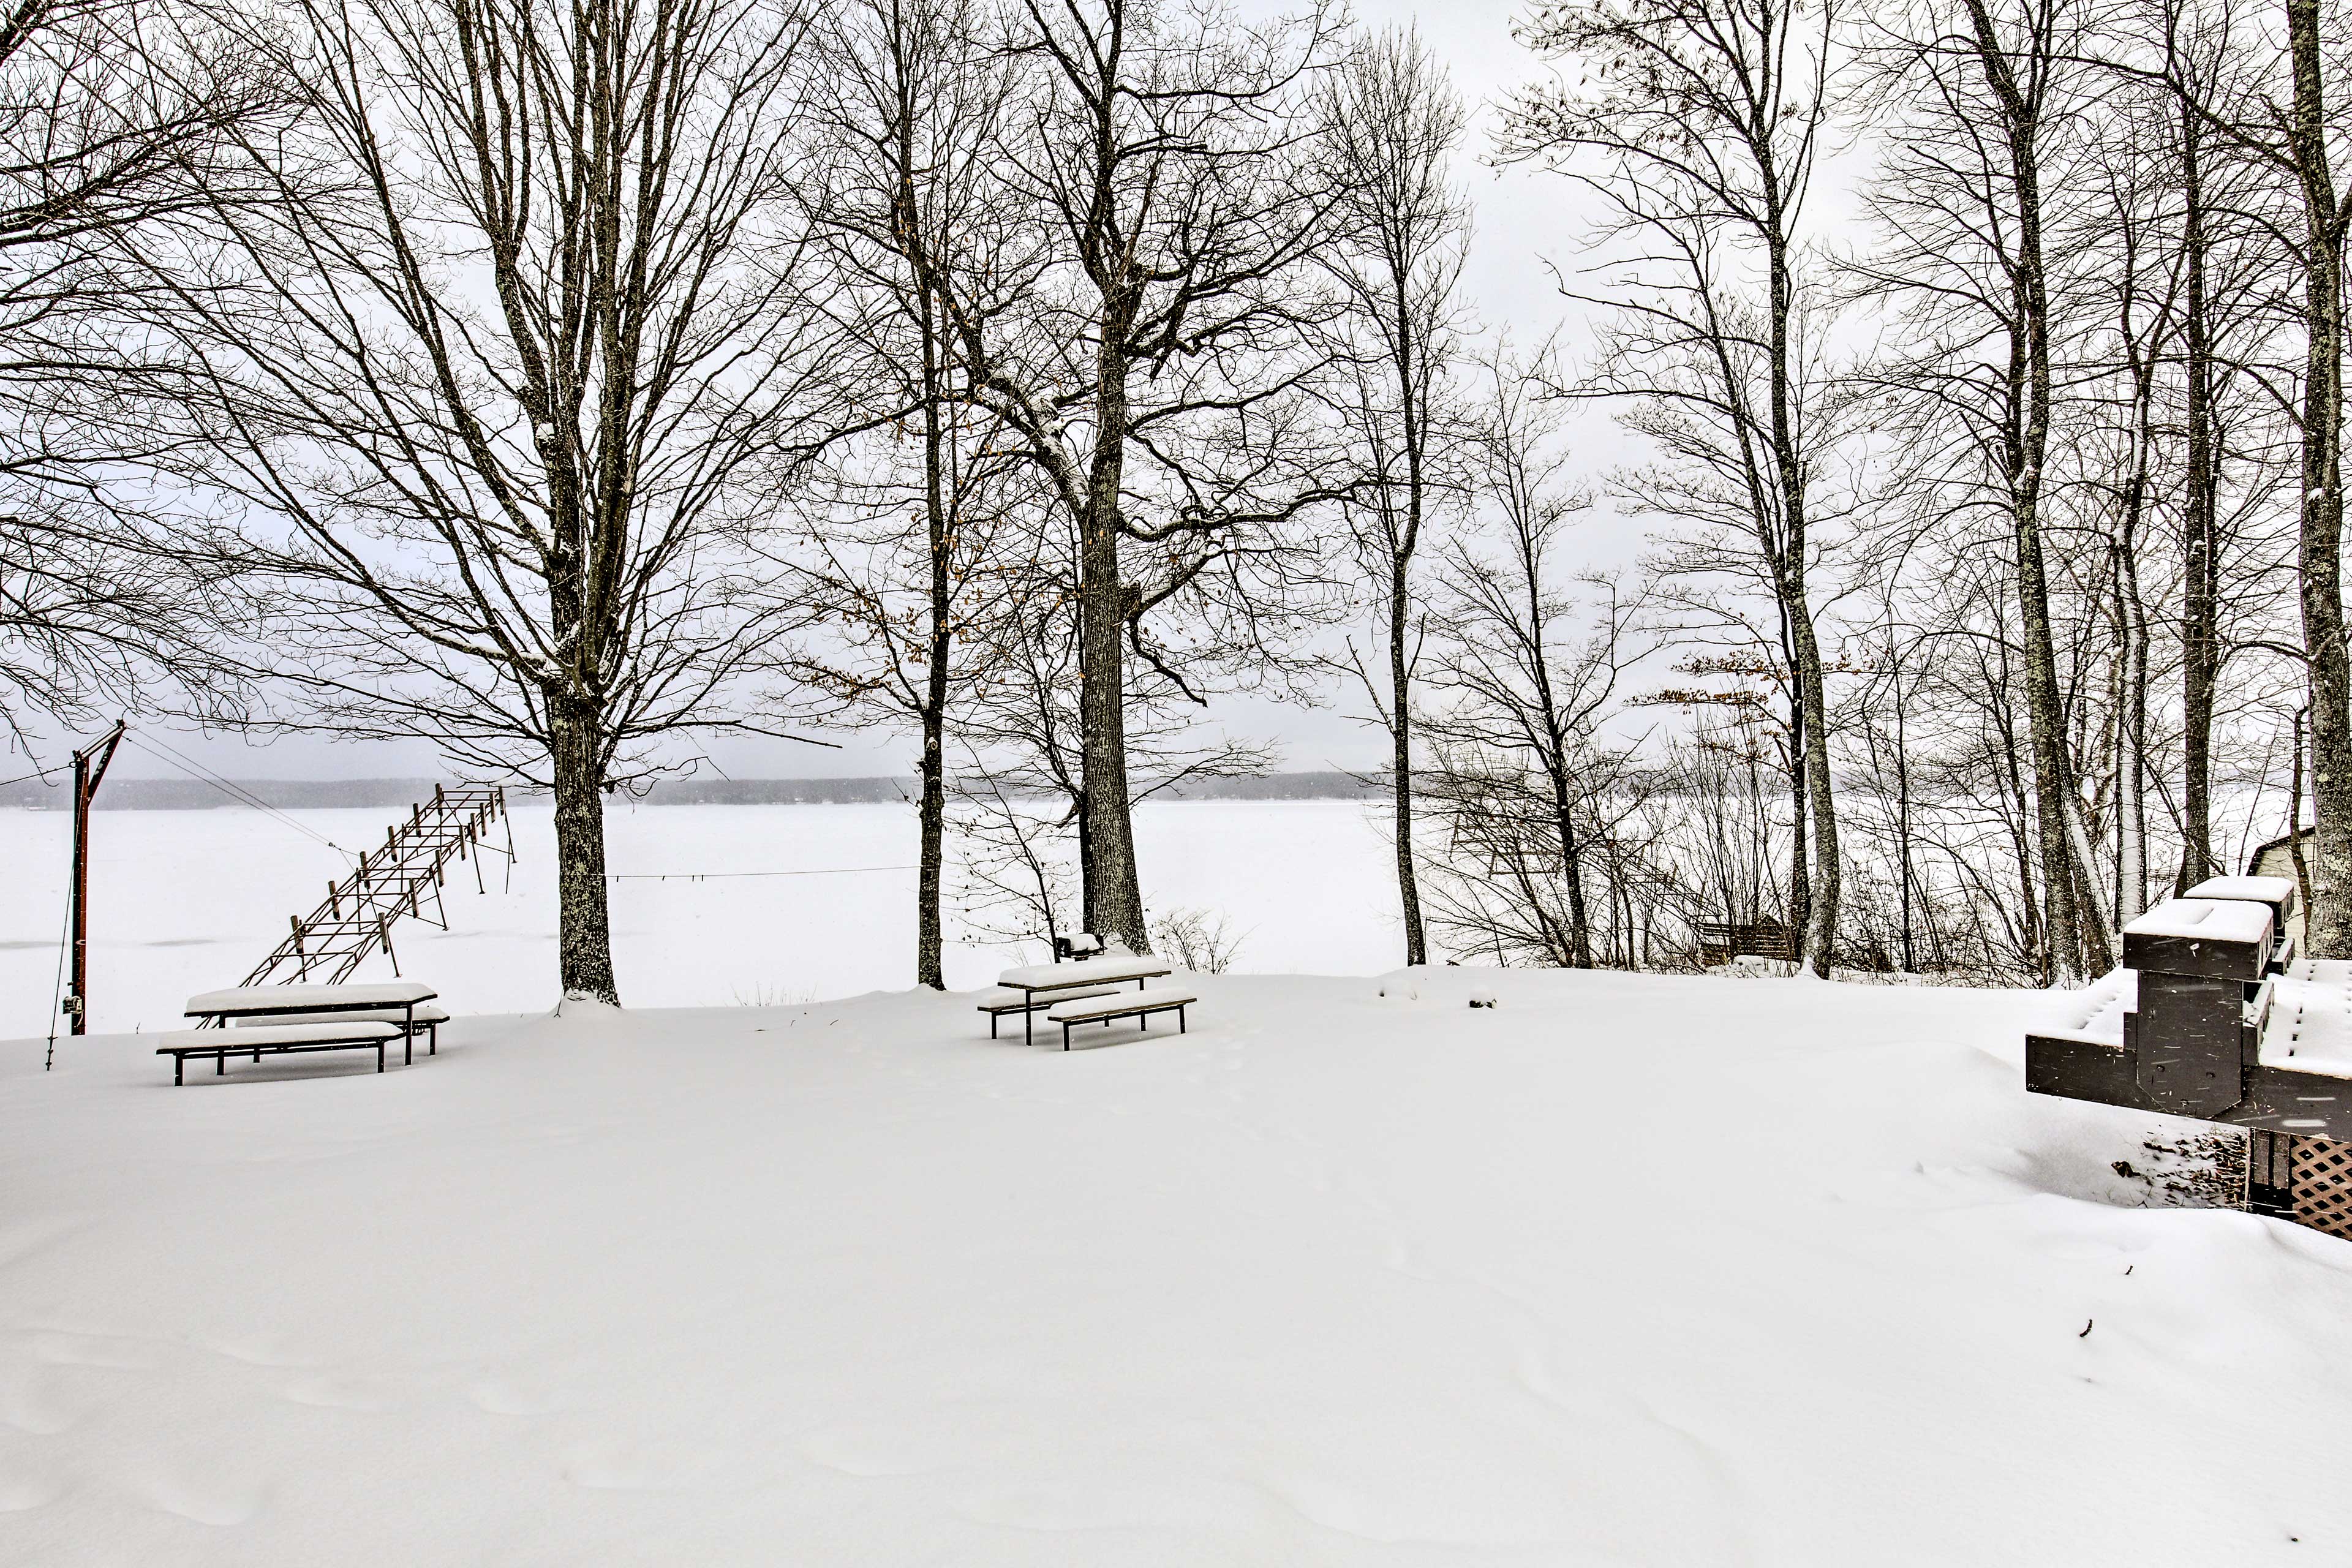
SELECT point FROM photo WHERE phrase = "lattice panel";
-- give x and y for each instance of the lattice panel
(2322, 1177)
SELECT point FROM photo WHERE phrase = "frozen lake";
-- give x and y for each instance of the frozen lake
(186, 900)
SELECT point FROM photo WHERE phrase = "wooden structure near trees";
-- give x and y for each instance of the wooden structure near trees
(392, 882)
(1720, 942)
(2214, 1015)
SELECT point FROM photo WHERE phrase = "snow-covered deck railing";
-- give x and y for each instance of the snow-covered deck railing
(2203, 1021)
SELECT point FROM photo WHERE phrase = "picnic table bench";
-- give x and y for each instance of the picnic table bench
(1039, 985)
(285, 1019)
(1138, 1005)
(274, 1039)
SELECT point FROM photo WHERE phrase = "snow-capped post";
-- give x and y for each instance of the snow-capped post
(2200, 961)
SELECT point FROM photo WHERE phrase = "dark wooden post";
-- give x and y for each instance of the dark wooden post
(89, 767)
(2199, 962)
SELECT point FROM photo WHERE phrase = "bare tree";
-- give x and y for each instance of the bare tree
(1023, 791)
(502, 366)
(118, 132)
(2310, 150)
(1993, 106)
(1700, 122)
(1521, 682)
(1395, 125)
(1157, 377)
(901, 556)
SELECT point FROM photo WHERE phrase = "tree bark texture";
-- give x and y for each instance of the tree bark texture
(933, 809)
(2026, 441)
(2201, 637)
(1416, 941)
(2320, 558)
(583, 926)
(1114, 889)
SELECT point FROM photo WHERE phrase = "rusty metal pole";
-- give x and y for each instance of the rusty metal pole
(89, 768)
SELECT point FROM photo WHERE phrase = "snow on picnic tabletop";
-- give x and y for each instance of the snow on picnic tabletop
(2204, 919)
(2261, 889)
(1625, 1270)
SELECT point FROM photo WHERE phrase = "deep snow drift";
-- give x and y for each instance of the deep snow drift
(1624, 1270)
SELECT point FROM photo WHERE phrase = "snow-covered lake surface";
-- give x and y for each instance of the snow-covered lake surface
(183, 901)
(1627, 1270)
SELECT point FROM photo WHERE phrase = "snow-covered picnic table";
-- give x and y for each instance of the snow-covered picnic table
(310, 1018)
(1048, 979)
(261, 1001)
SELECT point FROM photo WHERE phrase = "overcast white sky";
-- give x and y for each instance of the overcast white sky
(1522, 218)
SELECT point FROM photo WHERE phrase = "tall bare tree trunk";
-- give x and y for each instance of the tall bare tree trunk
(1799, 911)
(2200, 640)
(1571, 857)
(1114, 889)
(1822, 917)
(583, 927)
(2131, 785)
(1903, 811)
(2329, 921)
(932, 811)
(1416, 944)
(2027, 442)
(1821, 923)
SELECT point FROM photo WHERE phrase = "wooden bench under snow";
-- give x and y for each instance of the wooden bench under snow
(275, 1039)
(1135, 1005)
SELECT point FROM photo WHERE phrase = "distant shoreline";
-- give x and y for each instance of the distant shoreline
(296, 794)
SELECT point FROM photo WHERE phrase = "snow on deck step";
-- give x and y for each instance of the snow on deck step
(2095, 1013)
(2311, 1017)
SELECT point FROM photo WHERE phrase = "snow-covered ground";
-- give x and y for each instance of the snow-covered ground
(1626, 1270)
(183, 901)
